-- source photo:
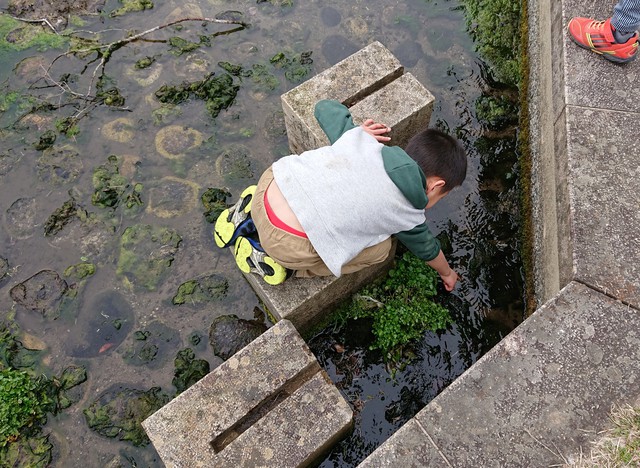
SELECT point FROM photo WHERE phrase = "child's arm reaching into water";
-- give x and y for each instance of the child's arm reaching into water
(449, 277)
(376, 130)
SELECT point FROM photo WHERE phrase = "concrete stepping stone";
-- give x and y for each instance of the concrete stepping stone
(270, 404)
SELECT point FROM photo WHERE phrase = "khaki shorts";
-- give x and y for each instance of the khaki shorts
(297, 253)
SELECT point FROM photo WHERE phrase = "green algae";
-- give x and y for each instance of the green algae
(188, 370)
(495, 27)
(119, 412)
(146, 253)
(201, 290)
(129, 6)
(111, 189)
(62, 216)
(80, 271)
(16, 35)
(219, 92)
(234, 163)
(214, 201)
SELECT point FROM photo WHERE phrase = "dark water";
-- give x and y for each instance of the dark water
(478, 222)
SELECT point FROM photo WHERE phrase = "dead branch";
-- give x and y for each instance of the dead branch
(39, 21)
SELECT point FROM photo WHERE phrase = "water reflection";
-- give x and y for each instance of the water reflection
(477, 223)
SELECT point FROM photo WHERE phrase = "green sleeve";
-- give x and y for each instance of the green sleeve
(420, 241)
(334, 119)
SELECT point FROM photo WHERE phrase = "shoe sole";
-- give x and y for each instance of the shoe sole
(229, 220)
(251, 260)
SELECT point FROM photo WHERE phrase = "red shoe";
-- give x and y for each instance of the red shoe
(598, 37)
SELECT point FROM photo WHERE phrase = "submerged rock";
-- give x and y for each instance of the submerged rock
(59, 165)
(330, 16)
(188, 370)
(336, 48)
(146, 71)
(234, 163)
(175, 141)
(146, 252)
(409, 52)
(33, 451)
(7, 161)
(129, 6)
(119, 412)
(228, 334)
(172, 197)
(43, 292)
(21, 218)
(110, 319)
(201, 290)
(151, 346)
(120, 129)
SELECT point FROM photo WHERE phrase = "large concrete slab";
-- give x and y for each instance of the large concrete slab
(591, 81)
(537, 398)
(604, 165)
(249, 393)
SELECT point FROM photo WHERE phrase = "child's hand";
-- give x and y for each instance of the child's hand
(376, 130)
(450, 280)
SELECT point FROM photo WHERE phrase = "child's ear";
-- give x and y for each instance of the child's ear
(434, 183)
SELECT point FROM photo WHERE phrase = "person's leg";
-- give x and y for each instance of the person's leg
(626, 17)
(370, 256)
(615, 38)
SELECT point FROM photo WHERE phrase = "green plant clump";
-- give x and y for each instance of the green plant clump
(219, 92)
(23, 404)
(401, 306)
(495, 27)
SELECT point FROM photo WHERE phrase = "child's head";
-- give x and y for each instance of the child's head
(440, 156)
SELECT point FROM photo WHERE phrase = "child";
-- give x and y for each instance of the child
(332, 210)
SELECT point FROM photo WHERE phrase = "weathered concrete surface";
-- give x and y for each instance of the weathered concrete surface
(586, 152)
(348, 81)
(234, 415)
(404, 105)
(305, 301)
(536, 398)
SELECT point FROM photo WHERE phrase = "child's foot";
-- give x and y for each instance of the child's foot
(235, 221)
(598, 36)
(250, 257)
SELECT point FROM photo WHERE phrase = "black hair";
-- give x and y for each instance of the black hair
(439, 155)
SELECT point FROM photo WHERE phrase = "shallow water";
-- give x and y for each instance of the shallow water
(479, 220)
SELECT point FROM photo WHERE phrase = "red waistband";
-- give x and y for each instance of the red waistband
(277, 222)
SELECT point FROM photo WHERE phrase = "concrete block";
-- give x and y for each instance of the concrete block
(305, 301)
(218, 421)
(405, 106)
